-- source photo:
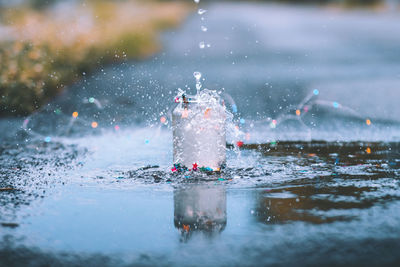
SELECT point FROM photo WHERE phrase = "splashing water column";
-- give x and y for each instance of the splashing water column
(199, 127)
(199, 131)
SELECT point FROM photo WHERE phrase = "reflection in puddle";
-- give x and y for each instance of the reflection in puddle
(317, 205)
(200, 208)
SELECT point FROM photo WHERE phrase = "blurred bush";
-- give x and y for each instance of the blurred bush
(54, 46)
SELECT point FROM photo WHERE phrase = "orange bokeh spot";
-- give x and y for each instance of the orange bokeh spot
(163, 119)
(75, 114)
(368, 122)
(94, 124)
(298, 112)
(368, 150)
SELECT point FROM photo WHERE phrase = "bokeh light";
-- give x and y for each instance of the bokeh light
(273, 124)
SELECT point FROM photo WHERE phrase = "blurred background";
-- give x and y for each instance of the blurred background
(47, 44)
(311, 66)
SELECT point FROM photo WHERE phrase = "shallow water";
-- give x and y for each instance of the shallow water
(313, 189)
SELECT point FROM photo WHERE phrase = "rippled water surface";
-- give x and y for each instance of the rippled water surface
(317, 188)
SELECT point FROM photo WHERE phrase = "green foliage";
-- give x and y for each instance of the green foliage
(29, 76)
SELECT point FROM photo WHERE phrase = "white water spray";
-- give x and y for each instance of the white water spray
(199, 126)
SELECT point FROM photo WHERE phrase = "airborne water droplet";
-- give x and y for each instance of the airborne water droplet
(203, 28)
(202, 45)
(197, 75)
(196, 1)
(201, 11)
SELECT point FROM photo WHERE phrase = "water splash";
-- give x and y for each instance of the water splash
(199, 131)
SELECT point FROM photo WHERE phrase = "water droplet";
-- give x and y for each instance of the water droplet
(197, 75)
(197, 1)
(47, 139)
(202, 45)
(204, 29)
(201, 11)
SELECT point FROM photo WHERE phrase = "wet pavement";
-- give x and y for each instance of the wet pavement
(317, 188)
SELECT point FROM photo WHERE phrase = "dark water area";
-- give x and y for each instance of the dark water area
(318, 188)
